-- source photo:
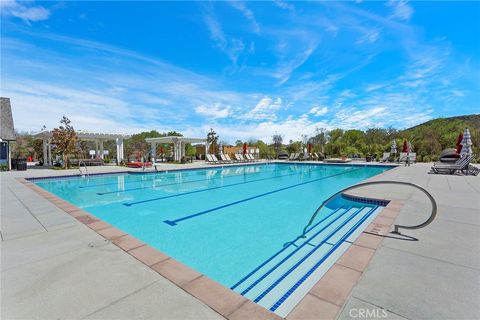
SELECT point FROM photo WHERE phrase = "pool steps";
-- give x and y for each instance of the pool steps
(283, 280)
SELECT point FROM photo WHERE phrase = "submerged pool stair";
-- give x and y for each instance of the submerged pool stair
(282, 280)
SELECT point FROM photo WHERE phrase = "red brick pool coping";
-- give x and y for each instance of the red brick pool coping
(323, 301)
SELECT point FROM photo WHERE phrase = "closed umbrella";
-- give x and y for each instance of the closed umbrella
(244, 148)
(466, 143)
(393, 147)
(405, 146)
(410, 148)
(459, 143)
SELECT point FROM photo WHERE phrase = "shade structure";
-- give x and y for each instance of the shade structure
(393, 147)
(466, 143)
(459, 143)
(405, 146)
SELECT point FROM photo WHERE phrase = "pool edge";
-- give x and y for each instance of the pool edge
(225, 301)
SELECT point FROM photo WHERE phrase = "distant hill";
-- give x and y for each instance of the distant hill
(472, 120)
(431, 137)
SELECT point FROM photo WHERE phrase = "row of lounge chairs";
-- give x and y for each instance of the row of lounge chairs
(404, 157)
(303, 156)
(225, 158)
(462, 165)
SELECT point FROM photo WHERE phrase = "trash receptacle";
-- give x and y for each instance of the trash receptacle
(21, 164)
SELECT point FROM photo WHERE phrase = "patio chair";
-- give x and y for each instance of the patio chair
(239, 157)
(210, 159)
(386, 156)
(229, 159)
(224, 159)
(462, 164)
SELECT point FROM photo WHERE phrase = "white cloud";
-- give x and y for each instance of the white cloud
(401, 10)
(265, 109)
(284, 5)
(233, 47)
(215, 111)
(369, 35)
(27, 11)
(247, 13)
(318, 111)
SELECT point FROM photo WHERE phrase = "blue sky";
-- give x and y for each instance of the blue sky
(246, 69)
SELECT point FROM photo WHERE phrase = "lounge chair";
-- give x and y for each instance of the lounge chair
(248, 157)
(386, 156)
(462, 164)
(239, 157)
(210, 159)
(228, 158)
(403, 157)
(304, 156)
(294, 156)
(224, 159)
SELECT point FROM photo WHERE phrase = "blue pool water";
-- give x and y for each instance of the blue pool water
(223, 222)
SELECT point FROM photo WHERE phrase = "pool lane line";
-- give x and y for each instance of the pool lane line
(280, 251)
(319, 263)
(174, 183)
(272, 269)
(129, 204)
(155, 174)
(174, 222)
(298, 263)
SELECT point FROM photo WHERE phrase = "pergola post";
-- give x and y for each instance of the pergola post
(119, 150)
(49, 159)
(45, 155)
(153, 151)
(96, 149)
(101, 149)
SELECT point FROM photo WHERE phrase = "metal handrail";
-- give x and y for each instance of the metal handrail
(396, 227)
(80, 166)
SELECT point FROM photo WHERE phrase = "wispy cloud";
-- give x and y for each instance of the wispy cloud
(247, 13)
(318, 111)
(265, 109)
(400, 9)
(25, 10)
(215, 111)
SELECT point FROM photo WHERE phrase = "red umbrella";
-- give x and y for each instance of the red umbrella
(161, 149)
(244, 148)
(309, 148)
(459, 143)
(405, 146)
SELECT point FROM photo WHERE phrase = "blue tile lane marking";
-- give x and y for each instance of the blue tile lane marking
(183, 182)
(128, 204)
(174, 222)
(253, 284)
(332, 249)
(273, 285)
(280, 251)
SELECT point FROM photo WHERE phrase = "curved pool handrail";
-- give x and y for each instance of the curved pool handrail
(396, 227)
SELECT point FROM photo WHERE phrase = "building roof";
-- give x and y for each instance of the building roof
(85, 135)
(7, 131)
(173, 139)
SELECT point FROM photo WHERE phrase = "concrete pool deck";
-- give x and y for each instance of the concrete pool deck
(55, 267)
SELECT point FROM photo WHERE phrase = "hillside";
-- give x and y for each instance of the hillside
(435, 135)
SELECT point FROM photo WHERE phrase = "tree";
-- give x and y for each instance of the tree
(212, 140)
(65, 139)
(239, 143)
(277, 142)
(320, 138)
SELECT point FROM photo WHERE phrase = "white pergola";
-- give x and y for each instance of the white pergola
(98, 138)
(178, 145)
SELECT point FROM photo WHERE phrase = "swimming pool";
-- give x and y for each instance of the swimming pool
(231, 223)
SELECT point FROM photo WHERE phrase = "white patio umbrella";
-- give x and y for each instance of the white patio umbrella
(466, 143)
(393, 148)
(410, 148)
